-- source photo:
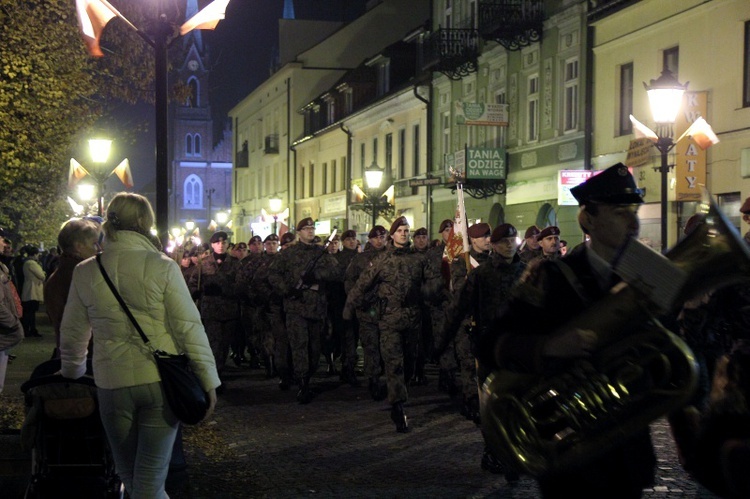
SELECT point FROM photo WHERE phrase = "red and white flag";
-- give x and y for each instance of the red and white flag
(207, 18)
(75, 173)
(702, 133)
(124, 174)
(458, 238)
(641, 131)
(93, 16)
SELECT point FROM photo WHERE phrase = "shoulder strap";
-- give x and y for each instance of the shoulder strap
(120, 300)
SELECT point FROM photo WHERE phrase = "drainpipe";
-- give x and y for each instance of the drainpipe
(348, 168)
(588, 127)
(428, 145)
(290, 167)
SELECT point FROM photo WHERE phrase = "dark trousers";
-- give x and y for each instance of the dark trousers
(28, 321)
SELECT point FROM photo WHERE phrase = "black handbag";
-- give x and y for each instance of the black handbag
(182, 389)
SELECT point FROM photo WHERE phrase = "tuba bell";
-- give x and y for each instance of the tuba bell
(640, 372)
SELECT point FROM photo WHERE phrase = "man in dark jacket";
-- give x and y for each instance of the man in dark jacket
(348, 331)
(552, 296)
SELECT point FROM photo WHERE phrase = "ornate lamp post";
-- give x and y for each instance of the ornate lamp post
(99, 150)
(275, 206)
(665, 98)
(375, 198)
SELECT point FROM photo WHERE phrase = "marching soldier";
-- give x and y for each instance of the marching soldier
(349, 331)
(530, 247)
(425, 341)
(299, 276)
(398, 276)
(367, 313)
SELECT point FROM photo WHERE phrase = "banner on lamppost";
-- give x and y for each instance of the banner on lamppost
(690, 164)
(481, 113)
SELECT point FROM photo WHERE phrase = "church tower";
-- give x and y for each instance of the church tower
(201, 173)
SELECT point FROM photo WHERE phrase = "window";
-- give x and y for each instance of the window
(334, 176)
(671, 60)
(348, 101)
(532, 108)
(389, 153)
(197, 145)
(746, 60)
(416, 165)
(192, 99)
(331, 111)
(402, 153)
(498, 132)
(473, 13)
(193, 192)
(188, 145)
(448, 14)
(374, 150)
(362, 163)
(570, 101)
(384, 77)
(311, 181)
(626, 98)
(446, 133)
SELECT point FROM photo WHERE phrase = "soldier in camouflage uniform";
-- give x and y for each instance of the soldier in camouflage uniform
(487, 290)
(367, 314)
(299, 275)
(479, 253)
(399, 276)
(349, 335)
(421, 244)
(530, 247)
(248, 310)
(216, 285)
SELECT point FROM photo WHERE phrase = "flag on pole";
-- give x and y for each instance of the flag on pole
(124, 174)
(641, 131)
(93, 16)
(702, 133)
(75, 173)
(206, 18)
(458, 238)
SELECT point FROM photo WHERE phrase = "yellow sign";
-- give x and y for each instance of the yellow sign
(639, 152)
(690, 165)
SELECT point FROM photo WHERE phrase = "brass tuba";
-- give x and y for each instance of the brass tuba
(641, 371)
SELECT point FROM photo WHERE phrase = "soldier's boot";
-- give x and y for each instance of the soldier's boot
(493, 465)
(377, 391)
(399, 418)
(305, 394)
(285, 380)
(470, 408)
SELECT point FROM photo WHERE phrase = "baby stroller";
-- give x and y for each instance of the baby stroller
(70, 453)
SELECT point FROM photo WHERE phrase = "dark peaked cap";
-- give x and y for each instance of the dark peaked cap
(615, 185)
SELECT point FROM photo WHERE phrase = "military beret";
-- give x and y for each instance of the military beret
(271, 237)
(548, 231)
(376, 231)
(220, 234)
(481, 229)
(400, 221)
(287, 238)
(445, 224)
(563, 243)
(348, 233)
(420, 232)
(745, 208)
(502, 231)
(615, 185)
(317, 240)
(255, 239)
(240, 245)
(532, 231)
(305, 222)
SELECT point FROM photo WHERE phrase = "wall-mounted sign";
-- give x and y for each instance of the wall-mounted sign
(566, 180)
(481, 113)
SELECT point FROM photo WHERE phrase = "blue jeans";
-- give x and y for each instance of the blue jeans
(141, 430)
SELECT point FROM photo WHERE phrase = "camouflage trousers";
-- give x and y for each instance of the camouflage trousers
(305, 336)
(467, 362)
(279, 337)
(447, 359)
(369, 335)
(399, 335)
(349, 345)
(220, 335)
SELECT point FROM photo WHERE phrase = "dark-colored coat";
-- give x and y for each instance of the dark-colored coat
(369, 309)
(217, 288)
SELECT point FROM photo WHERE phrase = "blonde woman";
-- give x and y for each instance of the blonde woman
(139, 424)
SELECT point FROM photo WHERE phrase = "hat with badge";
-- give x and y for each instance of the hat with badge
(399, 222)
(255, 239)
(271, 237)
(502, 231)
(615, 185)
(745, 208)
(445, 224)
(305, 223)
(532, 231)
(482, 229)
(422, 231)
(349, 234)
(548, 231)
(377, 231)
(219, 234)
(287, 238)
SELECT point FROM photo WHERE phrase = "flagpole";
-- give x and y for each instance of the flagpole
(463, 226)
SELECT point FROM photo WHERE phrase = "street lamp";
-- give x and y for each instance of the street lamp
(375, 198)
(99, 150)
(275, 205)
(665, 98)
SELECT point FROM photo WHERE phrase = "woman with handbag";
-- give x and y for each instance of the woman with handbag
(145, 293)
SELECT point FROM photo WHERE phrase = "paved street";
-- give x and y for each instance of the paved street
(261, 443)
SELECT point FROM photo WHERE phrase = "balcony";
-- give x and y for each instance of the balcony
(511, 23)
(271, 144)
(451, 51)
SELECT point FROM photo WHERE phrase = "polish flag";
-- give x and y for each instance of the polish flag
(75, 173)
(206, 18)
(124, 174)
(93, 16)
(641, 131)
(702, 133)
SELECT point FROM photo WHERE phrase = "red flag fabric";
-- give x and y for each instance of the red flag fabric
(702, 133)
(93, 16)
(124, 174)
(641, 131)
(75, 173)
(206, 18)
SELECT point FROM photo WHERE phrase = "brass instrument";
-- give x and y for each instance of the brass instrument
(556, 423)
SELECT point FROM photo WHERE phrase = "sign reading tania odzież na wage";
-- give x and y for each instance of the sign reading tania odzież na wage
(481, 113)
(477, 163)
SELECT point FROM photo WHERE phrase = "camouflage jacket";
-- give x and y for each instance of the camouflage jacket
(336, 289)
(248, 267)
(260, 291)
(310, 300)
(216, 286)
(368, 310)
(400, 278)
(458, 268)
